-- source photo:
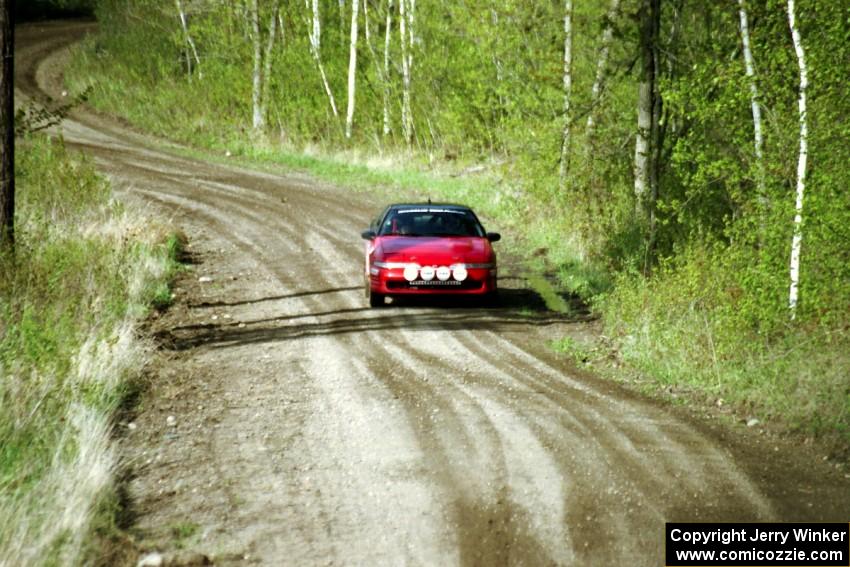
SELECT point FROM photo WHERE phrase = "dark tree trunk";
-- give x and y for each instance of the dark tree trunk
(7, 122)
(648, 144)
(656, 131)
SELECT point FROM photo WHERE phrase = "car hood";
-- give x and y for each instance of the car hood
(434, 250)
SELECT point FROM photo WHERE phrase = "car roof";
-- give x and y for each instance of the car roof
(435, 205)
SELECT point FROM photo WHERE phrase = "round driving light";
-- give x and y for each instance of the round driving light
(443, 273)
(411, 271)
(459, 273)
(427, 273)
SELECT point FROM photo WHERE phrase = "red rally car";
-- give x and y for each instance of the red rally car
(416, 249)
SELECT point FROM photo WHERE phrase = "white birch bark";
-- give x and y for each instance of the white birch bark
(642, 141)
(352, 69)
(758, 136)
(184, 24)
(797, 240)
(315, 50)
(568, 87)
(267, 58)
(387, 126)
(382, 73)
(601, 66)
(256, 75)
(645, 108)
(406, 62)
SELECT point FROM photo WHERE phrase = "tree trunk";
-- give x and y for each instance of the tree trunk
(315, 50)
(648, 139)
(601, 69)
(754, 103)
(267, 58)
(7, 119)
(797, 240)
(656, 132)
(352, 69)
(568, 87)
(595, 194)
(259, 122)
(406, 32)
(387, 127)
(382, 73)
(190, 43)
(646, 87)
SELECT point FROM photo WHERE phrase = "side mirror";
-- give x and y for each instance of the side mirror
(368, 234)
(494, 236)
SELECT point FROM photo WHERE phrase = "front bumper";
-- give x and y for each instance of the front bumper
(391, 281)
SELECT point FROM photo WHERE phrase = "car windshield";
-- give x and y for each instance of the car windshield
(429, 221)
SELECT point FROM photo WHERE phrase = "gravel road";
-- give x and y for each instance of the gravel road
(286, 423)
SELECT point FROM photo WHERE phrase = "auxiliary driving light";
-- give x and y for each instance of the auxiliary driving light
(459, 272)
(411, 271)
(443, 273)
(427, 273)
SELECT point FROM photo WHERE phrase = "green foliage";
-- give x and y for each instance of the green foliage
(715, 321)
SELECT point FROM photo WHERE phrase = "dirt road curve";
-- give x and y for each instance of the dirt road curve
(311, 430)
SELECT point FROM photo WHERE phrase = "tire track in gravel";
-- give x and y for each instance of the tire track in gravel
(313, 430)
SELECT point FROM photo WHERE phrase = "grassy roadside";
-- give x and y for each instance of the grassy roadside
(85, 273)
(683, 330)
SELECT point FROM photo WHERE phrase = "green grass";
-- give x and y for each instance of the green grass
(691, 328)
(183, 532)
(83, 273)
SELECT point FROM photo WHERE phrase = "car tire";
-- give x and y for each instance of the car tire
(492, 299)
(375, 299)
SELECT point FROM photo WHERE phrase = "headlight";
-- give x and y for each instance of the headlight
(443, 273)
(411, 271)
(427, 273)
(459, 272)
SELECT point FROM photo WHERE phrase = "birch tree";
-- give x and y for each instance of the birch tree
(191, 50)
(382, 73)
(267, 57)
(315, 51)
(262, 63)
(647, 140)
(7, 122)
(758, 137)
(387, 36)
(646, 85)
(406, 15)
(601, 68)
(797, 240)
(257, 75)
(352, 69)
(568, 87)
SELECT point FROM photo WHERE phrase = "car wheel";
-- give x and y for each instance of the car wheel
(491, 299)
(375, 299)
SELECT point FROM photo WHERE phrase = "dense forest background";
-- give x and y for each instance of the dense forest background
(682, 164)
